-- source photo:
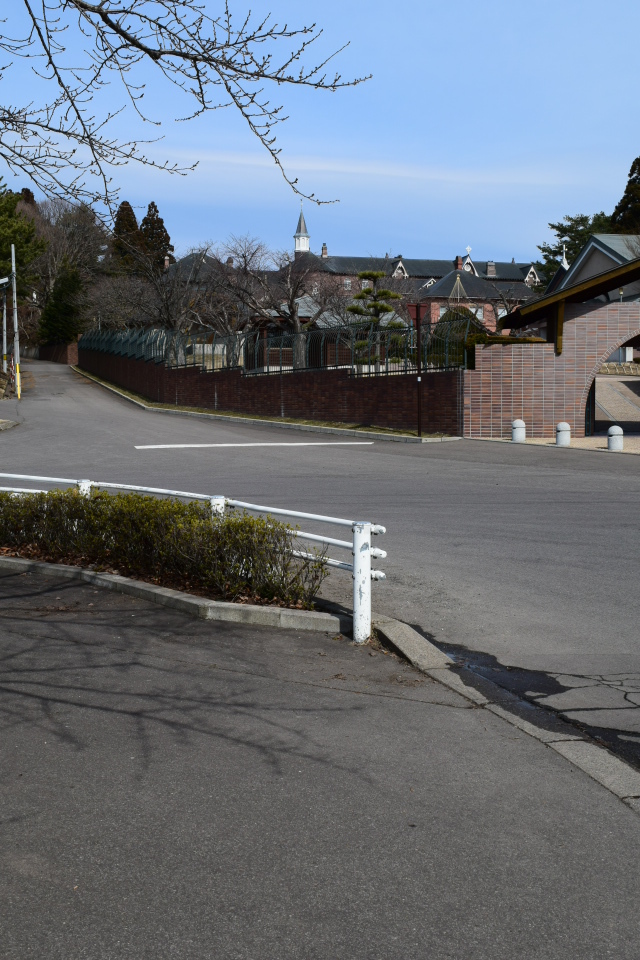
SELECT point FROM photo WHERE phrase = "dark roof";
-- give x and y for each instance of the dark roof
(470, 287)
(426, 269)
(581, 292)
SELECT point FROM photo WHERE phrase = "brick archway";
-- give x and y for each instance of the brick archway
(534, 383)
(607, 353)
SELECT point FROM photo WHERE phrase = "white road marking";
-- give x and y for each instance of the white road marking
(200, 446)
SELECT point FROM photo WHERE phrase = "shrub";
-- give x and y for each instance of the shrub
(233, 557)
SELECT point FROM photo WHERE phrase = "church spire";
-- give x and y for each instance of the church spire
(301, 235)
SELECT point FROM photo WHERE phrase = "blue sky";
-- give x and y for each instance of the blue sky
(483, 122)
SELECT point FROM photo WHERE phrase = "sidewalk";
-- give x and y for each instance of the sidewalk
(176, 788)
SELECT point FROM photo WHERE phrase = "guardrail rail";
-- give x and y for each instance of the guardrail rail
(360, 544)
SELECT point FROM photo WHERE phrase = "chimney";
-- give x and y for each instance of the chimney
(457, 264)
(166, 261)
(491, 268)
(325, 252)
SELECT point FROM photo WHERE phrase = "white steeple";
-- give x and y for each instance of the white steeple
(301, 236)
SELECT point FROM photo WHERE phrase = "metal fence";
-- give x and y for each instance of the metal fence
(359, 546)
(364, 350)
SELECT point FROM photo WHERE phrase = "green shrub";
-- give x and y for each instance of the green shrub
(234, 557)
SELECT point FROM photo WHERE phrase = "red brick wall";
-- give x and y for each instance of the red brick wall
(59, 353)
(325, 395)
(531, 383)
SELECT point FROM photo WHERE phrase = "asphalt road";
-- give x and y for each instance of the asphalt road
(174, 789)
(521, 560)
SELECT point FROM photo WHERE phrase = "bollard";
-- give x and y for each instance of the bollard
(84, 488)
(217, 507)
(518, 431)
(615, 441)
(563, 435)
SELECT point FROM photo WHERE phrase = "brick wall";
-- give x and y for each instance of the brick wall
(531, 383)
(325, 395)
(58, 353)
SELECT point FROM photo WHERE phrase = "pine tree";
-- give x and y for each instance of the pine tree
(61, 319)
(372, 303)
(157, 242)
(19, 230)
(127, 238)
(626, 216)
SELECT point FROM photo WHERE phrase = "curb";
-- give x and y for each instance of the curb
(186, 602)
(594, 760)
(309, 428)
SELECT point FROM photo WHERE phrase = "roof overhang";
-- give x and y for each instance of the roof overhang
(591, 289)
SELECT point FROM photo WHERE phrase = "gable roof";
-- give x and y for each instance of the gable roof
(619, 248)
(581, 292)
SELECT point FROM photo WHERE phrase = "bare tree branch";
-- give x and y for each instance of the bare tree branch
(65, 148)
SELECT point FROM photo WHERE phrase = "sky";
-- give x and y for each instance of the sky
(482, 123)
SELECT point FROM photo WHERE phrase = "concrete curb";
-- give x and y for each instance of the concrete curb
(7, 424)
(594, 760)
(187, 603)
(309, 428)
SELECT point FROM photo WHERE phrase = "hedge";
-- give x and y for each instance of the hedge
(235, 557)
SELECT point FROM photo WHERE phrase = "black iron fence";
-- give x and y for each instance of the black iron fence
(364, 350)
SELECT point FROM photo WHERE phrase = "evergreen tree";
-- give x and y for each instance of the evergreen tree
(626, 216)
(20, 230)
(157, 242)
(571, 233)
(372, 302)
(61, 319)
(127, 239)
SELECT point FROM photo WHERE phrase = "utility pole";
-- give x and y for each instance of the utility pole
(4, 329)
(16, 337)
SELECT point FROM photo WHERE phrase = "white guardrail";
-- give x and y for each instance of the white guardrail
(359, 545)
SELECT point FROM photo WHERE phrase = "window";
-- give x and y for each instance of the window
(443, 310)
(366, 284)
(479, 312)
(347, 284)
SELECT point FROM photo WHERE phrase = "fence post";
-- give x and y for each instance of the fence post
(84, 488)
(217, 507)
(361, 581)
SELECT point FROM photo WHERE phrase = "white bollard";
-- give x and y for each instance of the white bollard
(217, 507)
(518, 431)
(361, 581)
(563, 435)
(84, 488)
(615, 441)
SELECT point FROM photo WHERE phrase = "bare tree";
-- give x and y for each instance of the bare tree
(78, 47)
(74, 238)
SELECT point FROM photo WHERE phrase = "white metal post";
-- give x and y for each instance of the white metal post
(361, 581)
(84, 488)
(217, 507)
(4, 330)
(16, 338)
